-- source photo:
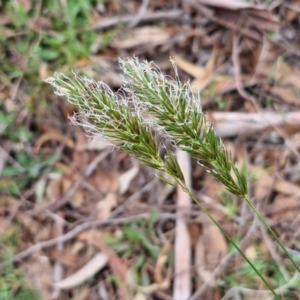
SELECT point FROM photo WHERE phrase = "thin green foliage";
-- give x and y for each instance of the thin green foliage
(156, 105)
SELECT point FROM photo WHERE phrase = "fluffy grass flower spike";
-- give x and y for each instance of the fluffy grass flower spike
(176, 112)
(109, 116)
(155, 105)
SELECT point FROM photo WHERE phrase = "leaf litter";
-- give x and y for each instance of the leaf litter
(125, 258)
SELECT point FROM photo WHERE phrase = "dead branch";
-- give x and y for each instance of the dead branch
(182, 281)
(170, 15)
(229, 124)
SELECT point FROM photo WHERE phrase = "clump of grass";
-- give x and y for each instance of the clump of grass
(13, 283)
(13, 286)
(151, 105)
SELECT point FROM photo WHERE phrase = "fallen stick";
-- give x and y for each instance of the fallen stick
(170, 15)
(182, 281)
(229, 124)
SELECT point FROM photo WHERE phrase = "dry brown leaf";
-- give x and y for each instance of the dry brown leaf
(143, 36)
(224, 84)
(165, 284)
(93, 266)
(162, 278)
(158, 268)
(295, 140)
(291, 13)
(78, 199)
(280, 70)
(231, 4)
(264, 20)
(65, 257)
(52, 136)
(105, 206)
(38, 232)
(265, 181)
(203, 75)
(53, 190)
(66, 170)
(77, 247)
(261, 191)
(287, 74)
(283, 186)
(188, 67)
(39, 273)
(105, 181)
(211, 248)
(67, 182)
(81, 139)
(200, 261)
(126, 178)
(284, 208)
(79, 161)
(213, 187)
(81, 63)
(160, 263)
(287, 94)
(194, 232)
(116, 265)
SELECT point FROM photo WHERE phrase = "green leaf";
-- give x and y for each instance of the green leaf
(153, 217)
(40, 190)
(23, 158)
(12, 171)
(131, 233)
(49, 54)
(22, 134)
(139, 261)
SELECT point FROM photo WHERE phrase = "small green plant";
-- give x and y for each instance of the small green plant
(137, 242)
(13, 284)
(220, 103)
(229, 202)
(137, 237)
(151, 105)
(13, 287)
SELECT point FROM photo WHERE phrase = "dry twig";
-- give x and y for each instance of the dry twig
(170, 15)
(182, 281)
(78, 229)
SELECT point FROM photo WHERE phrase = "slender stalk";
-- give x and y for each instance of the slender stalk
(221, 228)
(271, 231)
